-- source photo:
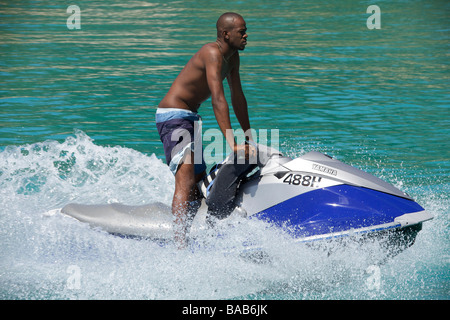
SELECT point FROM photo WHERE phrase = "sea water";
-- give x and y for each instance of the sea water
(77, 125)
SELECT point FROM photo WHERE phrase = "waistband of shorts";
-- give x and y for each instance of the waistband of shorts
(166, 114)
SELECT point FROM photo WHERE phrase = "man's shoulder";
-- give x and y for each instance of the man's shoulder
(210, 50)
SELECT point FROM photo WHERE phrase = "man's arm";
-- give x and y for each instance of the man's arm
(238, 98)
(213, 66)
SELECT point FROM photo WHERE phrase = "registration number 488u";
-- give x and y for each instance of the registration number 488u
(302, 180)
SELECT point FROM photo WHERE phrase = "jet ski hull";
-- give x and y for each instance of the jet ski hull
(313, 197)
(338, 209)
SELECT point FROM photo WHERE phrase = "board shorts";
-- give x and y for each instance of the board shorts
(180, 132)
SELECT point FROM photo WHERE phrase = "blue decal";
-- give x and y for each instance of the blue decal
(336, 209)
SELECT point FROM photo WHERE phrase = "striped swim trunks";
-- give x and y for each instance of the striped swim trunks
(180, 132)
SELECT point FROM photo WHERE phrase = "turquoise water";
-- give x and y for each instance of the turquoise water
(77, 124)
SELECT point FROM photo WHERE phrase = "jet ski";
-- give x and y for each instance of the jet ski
(312, 198)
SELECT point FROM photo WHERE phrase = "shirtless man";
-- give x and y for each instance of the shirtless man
(201, 78)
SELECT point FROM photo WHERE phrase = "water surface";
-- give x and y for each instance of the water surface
(77, 124)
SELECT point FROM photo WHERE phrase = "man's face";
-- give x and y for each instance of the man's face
(238, 35)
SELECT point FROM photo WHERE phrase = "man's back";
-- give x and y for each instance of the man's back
(190, 88)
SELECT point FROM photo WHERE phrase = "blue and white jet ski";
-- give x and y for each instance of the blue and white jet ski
(313, 197)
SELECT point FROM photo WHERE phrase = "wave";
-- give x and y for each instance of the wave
(51, 256)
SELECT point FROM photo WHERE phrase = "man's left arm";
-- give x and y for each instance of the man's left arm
(238, 98)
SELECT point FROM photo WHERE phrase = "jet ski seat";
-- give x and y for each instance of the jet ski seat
(220, 187)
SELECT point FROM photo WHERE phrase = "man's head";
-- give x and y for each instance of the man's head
(231, 29)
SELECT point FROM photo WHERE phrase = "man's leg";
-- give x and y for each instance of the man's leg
(185, 199)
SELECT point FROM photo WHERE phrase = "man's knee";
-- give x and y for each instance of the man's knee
(185, 175)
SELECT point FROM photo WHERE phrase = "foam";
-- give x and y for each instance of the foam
(41, 247)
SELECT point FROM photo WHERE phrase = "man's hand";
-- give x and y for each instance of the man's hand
(246, 150)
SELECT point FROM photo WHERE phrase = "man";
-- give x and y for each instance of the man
(201, 78)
